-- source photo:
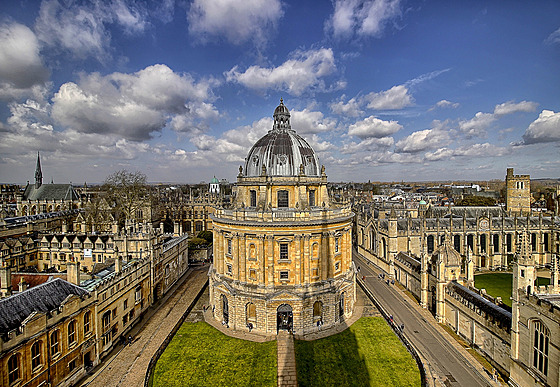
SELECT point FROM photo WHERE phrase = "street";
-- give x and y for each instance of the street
(446, 362)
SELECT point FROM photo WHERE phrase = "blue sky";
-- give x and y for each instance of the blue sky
(384, 90)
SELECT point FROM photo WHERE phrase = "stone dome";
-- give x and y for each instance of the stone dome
(281, 152)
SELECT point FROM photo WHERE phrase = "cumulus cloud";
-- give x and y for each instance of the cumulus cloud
(82, 30)
(445, 104)
(309, 121)
(362, 18)
(373, 127)
(476, 150)
(512, 107)
(132, 105)
(546, 128)
(476, 126)
(235, 21)
(348, 109)
(22, 72)
(302, 72)
(397, 97)
(424, 139)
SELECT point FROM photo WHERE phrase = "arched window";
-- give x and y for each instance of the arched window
(508, 243)
(251, 313)
(430, 243)
(283, 199)
(71, 332)
(496, 243)
(534, 242)
(540, 347)
(470, 242)
(457, 243)
(252, 251)
(317, 311)
(384, 246)
(13, 368)
(87, 322)
(36, 354)
(253, 195)
(482, 243)
(55, 347)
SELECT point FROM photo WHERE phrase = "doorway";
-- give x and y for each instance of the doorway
(284, 318)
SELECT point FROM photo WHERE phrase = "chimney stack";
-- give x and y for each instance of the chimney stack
(23, 285)
(73, 272)
(118, 264)
(5, 281)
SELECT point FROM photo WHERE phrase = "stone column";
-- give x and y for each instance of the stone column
(270, 260)
(261, 256)
(297, 259)
(242, 259)
(306, 258)
(235, 252)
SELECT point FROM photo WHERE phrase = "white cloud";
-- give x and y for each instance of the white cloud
(133, 105)
(512, 107)
(476, 150)
(235, 21)
(22, 72)
(546, 128)
(362, 18)
(373, 127)
(476, 126)
(347, 109)
(302, 72)
(397, 97)
(82, 28)
(553, 38)
(445, 104)
(309, 121)
(424, 139)
(368, 145)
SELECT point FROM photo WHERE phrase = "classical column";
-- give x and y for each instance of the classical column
(236, 269)
(297, 259)
(242, 259)
(261, 259)
(270, 260)
(306, 258)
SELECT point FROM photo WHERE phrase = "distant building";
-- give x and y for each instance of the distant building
(518, 192)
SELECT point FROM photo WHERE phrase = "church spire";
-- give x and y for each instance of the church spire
(38, 173)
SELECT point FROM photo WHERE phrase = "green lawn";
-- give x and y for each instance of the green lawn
(499, 284)
(366, 354)
(200, 355)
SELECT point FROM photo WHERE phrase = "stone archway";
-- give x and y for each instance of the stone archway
(284, 318)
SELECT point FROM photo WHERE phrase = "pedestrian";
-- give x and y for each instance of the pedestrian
(391, 317)
(392, 282)
(130, 340)
(358, 268)
(402, 327)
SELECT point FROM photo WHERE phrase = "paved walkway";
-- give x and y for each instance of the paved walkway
(127, 366)
(287, 375)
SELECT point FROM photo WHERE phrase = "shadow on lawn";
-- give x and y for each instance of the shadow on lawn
(327, 362)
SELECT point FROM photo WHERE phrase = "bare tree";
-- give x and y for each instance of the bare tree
(127, 192)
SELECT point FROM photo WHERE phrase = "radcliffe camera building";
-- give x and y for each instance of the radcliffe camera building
(282, 250)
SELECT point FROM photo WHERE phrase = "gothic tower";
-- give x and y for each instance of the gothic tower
(38, 173)
(518, 192)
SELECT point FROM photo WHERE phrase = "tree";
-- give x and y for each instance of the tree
(206, 235)
(127, 193)
(477, 201)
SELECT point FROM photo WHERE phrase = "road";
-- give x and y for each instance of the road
(446, 362)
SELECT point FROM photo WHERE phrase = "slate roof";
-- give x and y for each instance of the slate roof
(50, 192)
(482, 303)
(42, 298)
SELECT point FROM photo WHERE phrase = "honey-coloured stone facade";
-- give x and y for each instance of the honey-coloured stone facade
(518, 192)
(283, 250)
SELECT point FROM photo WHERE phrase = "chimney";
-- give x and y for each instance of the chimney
(118, 264)
(5, 281)
(23, 285)
(73, 272)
